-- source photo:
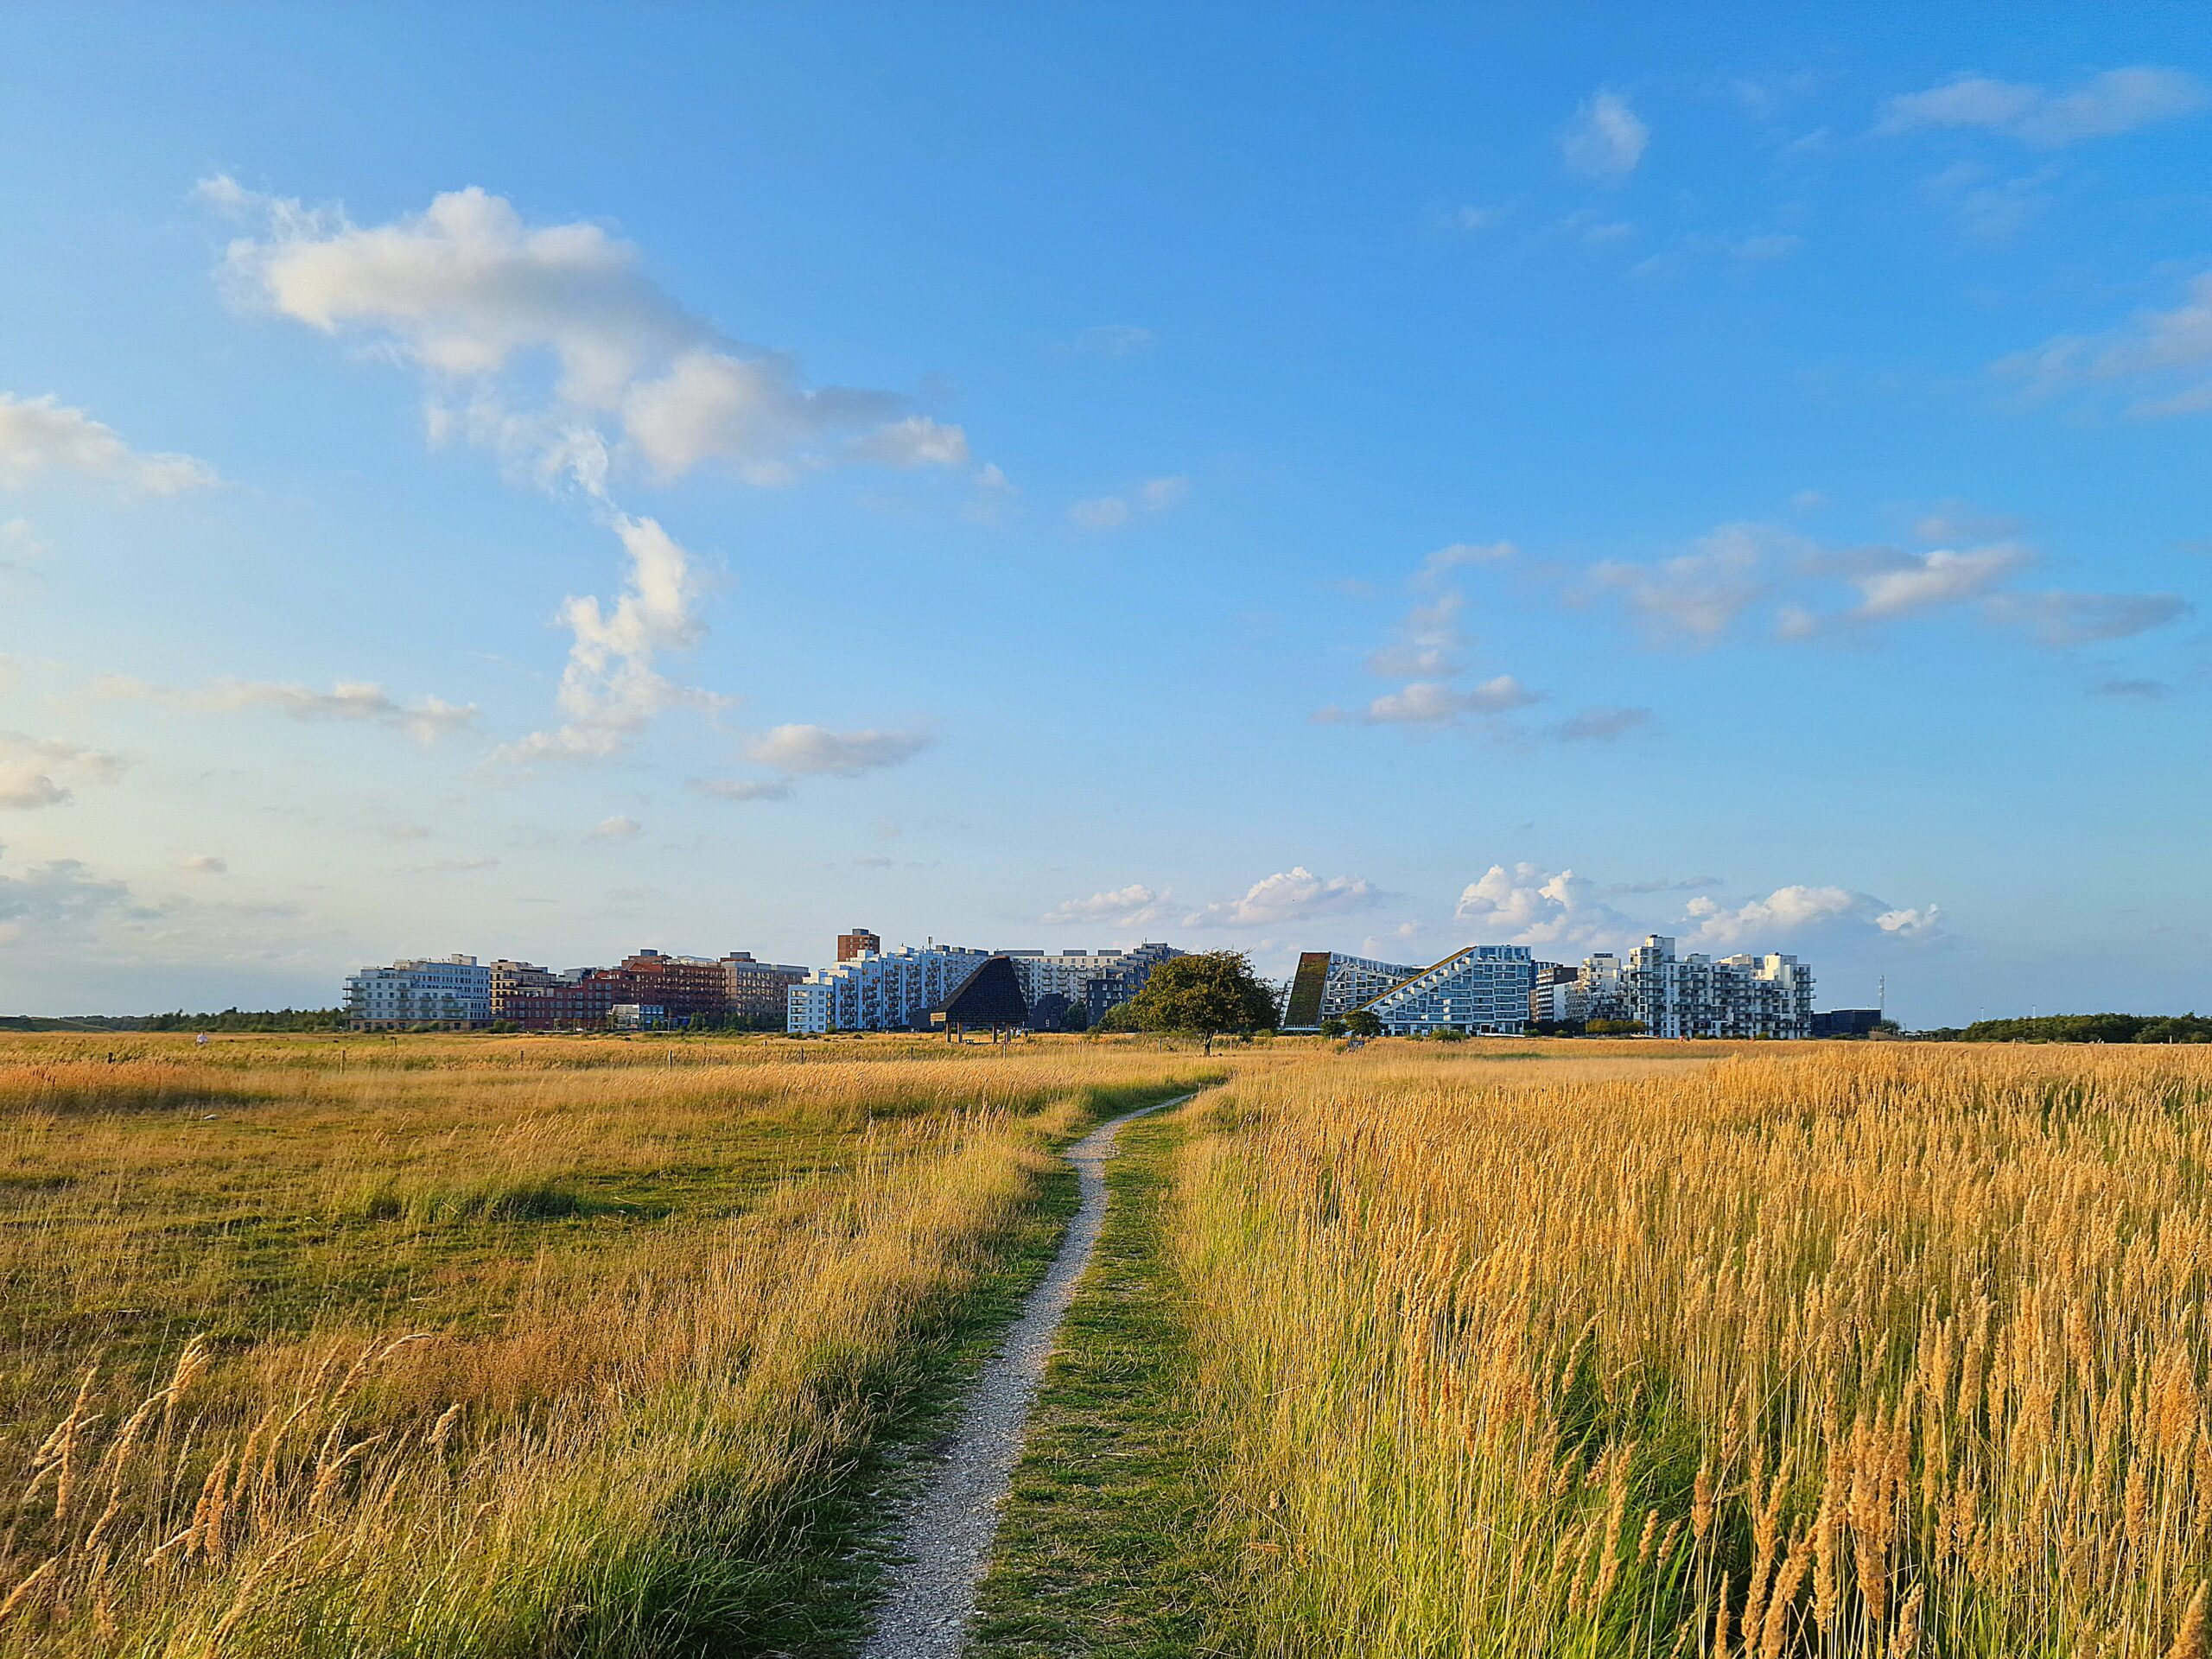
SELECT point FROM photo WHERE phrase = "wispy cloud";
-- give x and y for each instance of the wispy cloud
(39, 772)
(1112, 512)
(2116, 101)
(426, 720)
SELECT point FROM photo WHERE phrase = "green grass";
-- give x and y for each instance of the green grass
(1103, 1549)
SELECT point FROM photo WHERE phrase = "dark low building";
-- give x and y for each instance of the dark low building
(989, 999)
(1847, 1022)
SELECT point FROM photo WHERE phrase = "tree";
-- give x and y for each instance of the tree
(1334, 1026)
(1362, 1022)
(1203, 995)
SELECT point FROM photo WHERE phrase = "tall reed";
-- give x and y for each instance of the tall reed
(1875, 1351)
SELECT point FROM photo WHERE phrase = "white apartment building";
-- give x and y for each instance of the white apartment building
(1328, 984)
(1483, 989)
(1092, 980)
(432, 990)
(878, 990)
(1742, 996)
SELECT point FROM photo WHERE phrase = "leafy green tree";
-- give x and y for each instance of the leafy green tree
(1201, 995)
(1360, 1022)
(1614, 1029)
(1332, 1026)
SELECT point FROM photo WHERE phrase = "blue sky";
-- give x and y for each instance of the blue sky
(545, 482)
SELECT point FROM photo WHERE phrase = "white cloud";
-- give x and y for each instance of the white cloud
(1529, 904)
(1102, 513)
(36, 771)
(1472, 218)
(1110, 340)
(1135, 906)
(1915, 582)
(472, 294)
(1429, 642)
(2165, 357)
(1432, 703)
(610, 686)
(549, 346)
(39, 435)
(1288, 896)
(1697, 596)
(1960, 521)
(2116, 101)
(425, 719)
(621, 827)
(1459, 555)
(816, 751)
(57, 901)
(743, 789)
(1112, 512)
(2058, 618)
(1793, 911)
(1606, 139)
(204, 864)
(1603, 725)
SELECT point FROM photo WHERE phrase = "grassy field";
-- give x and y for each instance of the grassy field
(458, 1345)
(1869, 1350)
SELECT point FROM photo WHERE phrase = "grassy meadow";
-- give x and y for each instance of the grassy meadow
(1837, 1350)
(461, 1345)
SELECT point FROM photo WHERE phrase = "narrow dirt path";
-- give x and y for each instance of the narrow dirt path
(946, 1529)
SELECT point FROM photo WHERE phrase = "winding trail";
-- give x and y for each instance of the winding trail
(946, 1529)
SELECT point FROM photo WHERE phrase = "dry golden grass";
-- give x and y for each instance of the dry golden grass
(470, 1346)
(1847, 1351)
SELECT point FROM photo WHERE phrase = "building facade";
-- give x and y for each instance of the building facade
(858, 943)
(757, 990)
(879, 990)
(1328, 984)
(1093, 980)
(1669, 996)
(1482, 990)
(454, 991)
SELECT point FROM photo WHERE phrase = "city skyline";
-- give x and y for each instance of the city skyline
(1539, 480)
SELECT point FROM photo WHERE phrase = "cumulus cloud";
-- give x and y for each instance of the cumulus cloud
(1459, 555)
(1606, 139)
(1794, 910)
(37, 772)
(55, 901)
(1527, 904)
(1432, 703)
(1112, 512)
(1429, 641)
(1134, 906)
(1290, 895)
(2058, 620)
(2116, 101)
(39, 435)
(550, 345)
(204, 864)
(425, 719)
(621, 827)
(1697, 596)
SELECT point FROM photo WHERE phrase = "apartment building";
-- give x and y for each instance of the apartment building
(1670, 995)
(454, 991)
(1093, 980)
(757, 990)
(1328, 984)
(858, 943)
(879, 990)
(1482, 990)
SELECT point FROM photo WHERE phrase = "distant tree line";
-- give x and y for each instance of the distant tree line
(249, 1020)
(2083, 1028)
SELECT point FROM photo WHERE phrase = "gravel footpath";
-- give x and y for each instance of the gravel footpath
(946, 1528)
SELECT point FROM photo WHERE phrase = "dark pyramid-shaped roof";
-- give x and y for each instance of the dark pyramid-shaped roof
(991, 995)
